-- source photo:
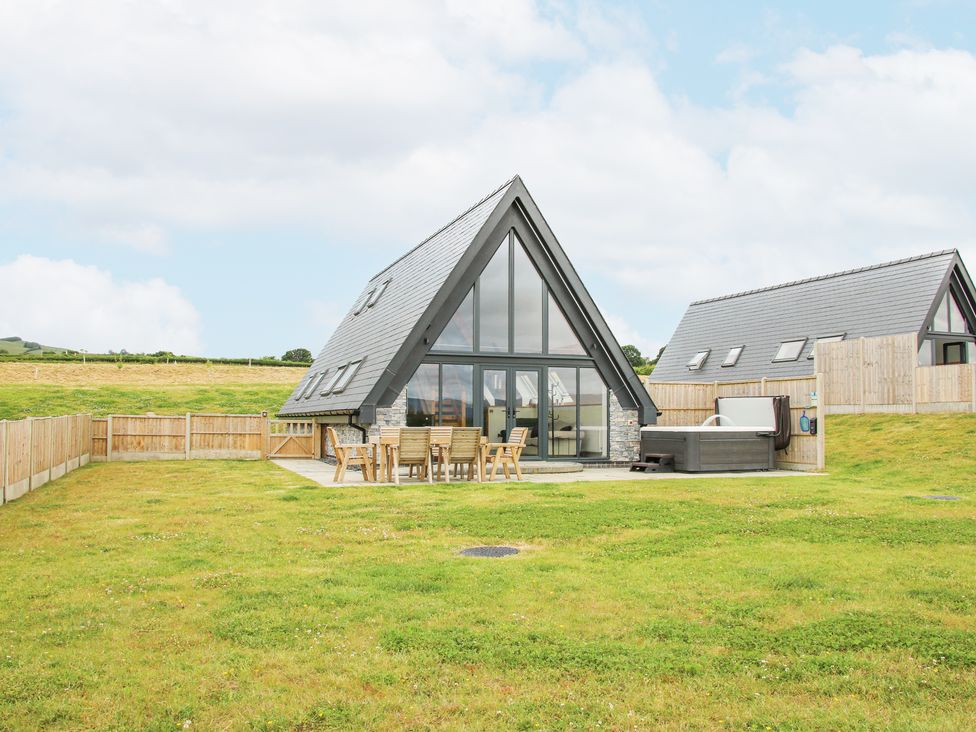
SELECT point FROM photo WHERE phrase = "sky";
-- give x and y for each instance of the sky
(223, 178)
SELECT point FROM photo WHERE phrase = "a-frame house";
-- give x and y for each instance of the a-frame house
(485, 323)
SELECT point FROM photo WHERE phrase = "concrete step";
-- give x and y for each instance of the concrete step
(540, 467)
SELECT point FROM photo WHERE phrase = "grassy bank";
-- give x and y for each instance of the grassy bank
(223, 595)
(19, 401)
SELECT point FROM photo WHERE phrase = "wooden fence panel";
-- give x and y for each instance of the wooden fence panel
(226, 436)
(147, 437)
(36, 450)
(945, 388)
(99, 439)
(882, 375)
(18, 460)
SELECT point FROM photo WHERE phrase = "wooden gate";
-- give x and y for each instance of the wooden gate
(291, 439)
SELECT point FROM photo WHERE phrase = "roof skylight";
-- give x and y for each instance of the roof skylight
(333, 380)
(376, 294)
(348, 372)
(790, 350)
(698, 360)
(313, 384)
(825, 339)
(733, 356)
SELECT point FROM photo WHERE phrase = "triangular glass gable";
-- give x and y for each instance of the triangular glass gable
(458, 334)
(562, 339)
(527, 295)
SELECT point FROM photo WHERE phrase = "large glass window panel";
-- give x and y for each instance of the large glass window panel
(457, 402)
(527, 289)
(527, 408)
(561, 417)
(493, 303)
(940, 323)
(957, 323)
(458, 334)
(422, 396)
(562, 339)
(593, 414)
(495, 399)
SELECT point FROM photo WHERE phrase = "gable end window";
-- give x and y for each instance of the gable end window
(790, 350)
(732, 358)
(698, 360)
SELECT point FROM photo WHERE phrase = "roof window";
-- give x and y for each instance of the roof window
(733, 356)
(313, 384)
(349, 371)
(376, 294)
(698, 360)
(330, 384)
(790, 350)
(825, 339)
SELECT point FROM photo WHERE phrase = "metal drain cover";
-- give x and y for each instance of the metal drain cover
(490, 551)
(944, 498)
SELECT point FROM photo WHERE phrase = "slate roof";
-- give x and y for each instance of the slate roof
(377, 333)
(884, 299)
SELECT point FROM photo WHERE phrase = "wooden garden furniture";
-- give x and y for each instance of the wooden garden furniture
(440, 444)
(506, 453)
(350, 454)
(465, 451)
(414, 451)
(388, 445)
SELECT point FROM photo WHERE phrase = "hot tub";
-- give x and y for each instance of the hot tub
(712, 449)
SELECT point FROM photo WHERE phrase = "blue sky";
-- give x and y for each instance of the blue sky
(223, 180)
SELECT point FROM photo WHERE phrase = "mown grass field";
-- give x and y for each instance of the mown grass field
(231, 595)
(28, 389)
(19, 401)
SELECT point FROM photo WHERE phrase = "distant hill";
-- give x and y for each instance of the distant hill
(16, 346)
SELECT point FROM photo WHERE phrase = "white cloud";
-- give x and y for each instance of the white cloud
(62, 303)
(377, 121)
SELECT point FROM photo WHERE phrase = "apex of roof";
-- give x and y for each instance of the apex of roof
(832, 275)
(446, 226)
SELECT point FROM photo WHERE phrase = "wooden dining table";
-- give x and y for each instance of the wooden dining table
(378, 456)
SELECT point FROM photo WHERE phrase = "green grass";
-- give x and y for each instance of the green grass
(239, 596)
(19, 401)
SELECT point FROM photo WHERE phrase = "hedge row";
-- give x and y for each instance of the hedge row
(144, 358)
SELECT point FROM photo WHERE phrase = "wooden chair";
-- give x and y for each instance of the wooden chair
(414, 451)
(440, 445)
(388, 448)
(465, 451)
(507, 453)
(351, 454)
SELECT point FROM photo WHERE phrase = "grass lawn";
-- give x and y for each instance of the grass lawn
(232, 595)
(24, 400)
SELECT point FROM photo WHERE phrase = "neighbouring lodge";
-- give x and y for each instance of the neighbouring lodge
(772, 332)
(485, 323)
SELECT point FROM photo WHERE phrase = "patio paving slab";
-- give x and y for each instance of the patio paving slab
(322, 473)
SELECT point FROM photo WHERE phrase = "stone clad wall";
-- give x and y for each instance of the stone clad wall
(392, 416)
(624, 432)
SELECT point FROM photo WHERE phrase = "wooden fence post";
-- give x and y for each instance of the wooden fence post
(50, 447)
(860, 371)
(265, 433)
(30, 453)
(763, 387)
(821, 424)
(108, 439)
(915, 388)
(972, 368)
(6, 460)
(186, 440)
